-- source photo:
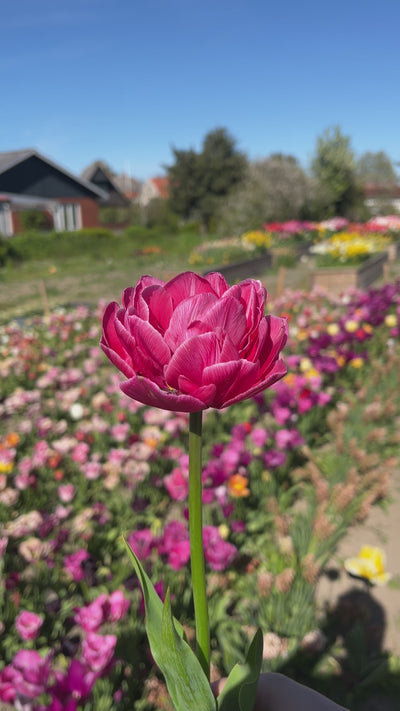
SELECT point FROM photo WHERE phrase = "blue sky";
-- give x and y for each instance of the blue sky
(124, 81)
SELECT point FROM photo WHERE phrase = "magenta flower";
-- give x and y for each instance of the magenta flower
(31, 673)
(73, 564)
(119, 605)
(142, 542)
(91, 617)
(177, 484)
(194, 342)
(28, 624)
(98, 650)
(218, 553)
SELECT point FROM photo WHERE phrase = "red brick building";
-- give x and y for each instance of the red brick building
(29, 181)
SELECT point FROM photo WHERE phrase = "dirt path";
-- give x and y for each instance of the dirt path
(382, 528)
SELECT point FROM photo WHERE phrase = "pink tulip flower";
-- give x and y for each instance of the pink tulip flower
(194, 342)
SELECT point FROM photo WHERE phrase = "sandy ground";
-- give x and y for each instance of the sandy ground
(382, 528)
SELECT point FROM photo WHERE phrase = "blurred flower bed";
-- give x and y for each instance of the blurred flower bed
(333, 241)
(284, 475)
(349, 248)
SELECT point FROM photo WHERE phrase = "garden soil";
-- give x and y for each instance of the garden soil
(336, 587)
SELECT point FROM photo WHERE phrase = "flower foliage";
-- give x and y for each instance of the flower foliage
(80, 463)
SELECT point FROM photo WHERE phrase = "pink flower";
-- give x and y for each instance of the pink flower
(218, 553)
(7, 684)
(141, 542)
(119, 605)
(194, 342)
(66, 492)
(98, 650)
(28, 624)
(73, 564)
(92, 616)
(31, 673)
(177, 484)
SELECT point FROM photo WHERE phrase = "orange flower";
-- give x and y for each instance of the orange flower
(12, 439)
(237, 486)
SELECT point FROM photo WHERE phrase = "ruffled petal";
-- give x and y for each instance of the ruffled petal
(146, 391)
(191, 358)
(228, 315)
(217, 282)
(186, 320)
(222, 376)
(160, 306)
(186, 285)
(278, 371)
(111, 343)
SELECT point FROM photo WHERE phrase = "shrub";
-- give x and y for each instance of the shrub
(34, 220)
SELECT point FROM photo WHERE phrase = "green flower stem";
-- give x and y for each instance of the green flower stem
(196, 542)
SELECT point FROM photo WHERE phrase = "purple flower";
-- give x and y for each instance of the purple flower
(273, 458)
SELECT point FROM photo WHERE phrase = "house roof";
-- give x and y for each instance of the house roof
(9, 159)
(385, 191)
(162, 185)
(97, 174)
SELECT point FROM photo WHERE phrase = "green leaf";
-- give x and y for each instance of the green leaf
(187, 684)
(239, 692)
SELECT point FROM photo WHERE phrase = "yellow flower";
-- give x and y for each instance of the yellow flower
(390, 320)
(301, 335)
(223, 531)
(369, 564)
(237, 486)
(351, 325)
(305, 364)
(357, 362)
(332, 329)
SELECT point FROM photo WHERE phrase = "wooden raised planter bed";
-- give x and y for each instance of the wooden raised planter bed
(237, 271)
(335, 280)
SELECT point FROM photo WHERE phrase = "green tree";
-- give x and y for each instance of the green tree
(199, 181)
(274, 189)
(376, 169)
(334, 170)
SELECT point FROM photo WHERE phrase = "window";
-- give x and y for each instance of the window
(67, 216)
(6, 228)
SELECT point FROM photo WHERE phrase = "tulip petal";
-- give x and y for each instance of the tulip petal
(145, 345)
(217, 282)
(222, 375)
(191, 358)
(147, 392)
(187, 317)
(160, 306)
(186, 285)
(278, 371)
(205, 393)
(111, 343)
(228, 315)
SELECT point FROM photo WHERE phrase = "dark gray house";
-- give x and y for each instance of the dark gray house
(30, 181)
